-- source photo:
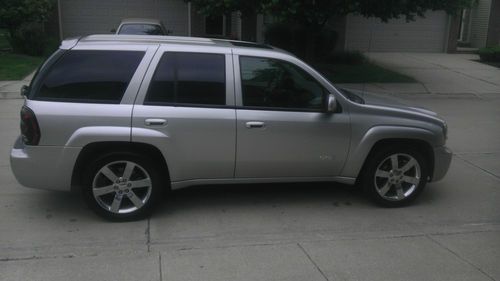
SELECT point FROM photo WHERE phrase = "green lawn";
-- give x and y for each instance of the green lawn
(16, 67)
(4, 43)
(365, 72)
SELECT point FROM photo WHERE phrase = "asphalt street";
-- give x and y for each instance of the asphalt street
(272, 232)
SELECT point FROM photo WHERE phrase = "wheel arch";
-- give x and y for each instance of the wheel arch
(420, 145)
(380, 136)
(91, 150)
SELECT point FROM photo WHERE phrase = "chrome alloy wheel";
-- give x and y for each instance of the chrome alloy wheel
(122, 187)
(397, 177)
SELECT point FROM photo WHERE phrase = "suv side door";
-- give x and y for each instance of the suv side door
(282, 127)
(185, 107)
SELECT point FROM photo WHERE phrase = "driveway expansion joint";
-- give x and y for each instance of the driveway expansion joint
(148, 235)
(479, 167)
(312, 261)
(460, 257)
(159, 267)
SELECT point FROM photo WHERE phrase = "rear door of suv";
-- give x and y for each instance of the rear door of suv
(185, 107)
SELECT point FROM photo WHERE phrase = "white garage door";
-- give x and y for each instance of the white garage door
(83, 17)
(422, 35)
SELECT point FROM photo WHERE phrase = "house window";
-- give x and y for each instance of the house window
(214, 25)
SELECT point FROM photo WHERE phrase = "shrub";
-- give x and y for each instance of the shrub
(325, 43)
(52, 43)
(29, 39)
(293, 38)
(280, 35)
(491, 54)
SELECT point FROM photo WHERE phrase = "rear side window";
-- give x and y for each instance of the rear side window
(188, 78)
(89, 76)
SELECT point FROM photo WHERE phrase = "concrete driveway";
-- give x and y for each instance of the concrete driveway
(442, 73)
(271, 232)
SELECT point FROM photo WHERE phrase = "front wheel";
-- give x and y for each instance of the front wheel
(122, 186)
(395, 176)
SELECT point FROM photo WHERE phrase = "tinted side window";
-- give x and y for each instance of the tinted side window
(188, 78)
(90, 76)
(278, 84)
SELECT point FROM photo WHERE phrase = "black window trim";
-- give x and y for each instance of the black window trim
(173, 104)
(291, 109)
(41, 74)
(176, 104)
(193, 105)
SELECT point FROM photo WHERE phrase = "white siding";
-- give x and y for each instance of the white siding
(480, 17)
(422, 35)
(83, 17)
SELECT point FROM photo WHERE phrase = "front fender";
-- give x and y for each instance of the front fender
(360, 148)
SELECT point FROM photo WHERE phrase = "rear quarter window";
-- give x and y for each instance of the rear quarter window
(89, 76)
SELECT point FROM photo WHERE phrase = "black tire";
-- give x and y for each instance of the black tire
(117, 162)
(395, 185)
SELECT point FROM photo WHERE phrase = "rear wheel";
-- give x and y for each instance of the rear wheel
(122, 186)
(395, 176)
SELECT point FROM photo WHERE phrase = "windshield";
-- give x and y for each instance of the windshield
(141, 29)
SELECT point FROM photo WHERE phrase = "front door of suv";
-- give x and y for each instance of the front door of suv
(282, 127)
(186, 108)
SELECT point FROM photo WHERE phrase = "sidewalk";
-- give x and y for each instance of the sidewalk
(440, 73)
(12, 89)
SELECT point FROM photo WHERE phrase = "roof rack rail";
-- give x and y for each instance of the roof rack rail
(146, 38)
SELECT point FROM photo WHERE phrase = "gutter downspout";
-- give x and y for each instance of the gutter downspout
(189, 18)
(60, 20)
(447, 35)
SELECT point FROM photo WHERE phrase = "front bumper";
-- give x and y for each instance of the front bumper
(442, 160)
(44, 167)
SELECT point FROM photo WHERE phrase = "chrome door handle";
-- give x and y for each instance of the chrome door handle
(155, 122)
(255, 124)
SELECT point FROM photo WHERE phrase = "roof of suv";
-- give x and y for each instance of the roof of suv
(155, 39)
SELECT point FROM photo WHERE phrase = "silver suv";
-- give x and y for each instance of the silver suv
(125, 118)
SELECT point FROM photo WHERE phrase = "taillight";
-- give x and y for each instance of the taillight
(30, 131)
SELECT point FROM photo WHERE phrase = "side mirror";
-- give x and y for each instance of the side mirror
(113, 30)
(331, 103)
(25, 89)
